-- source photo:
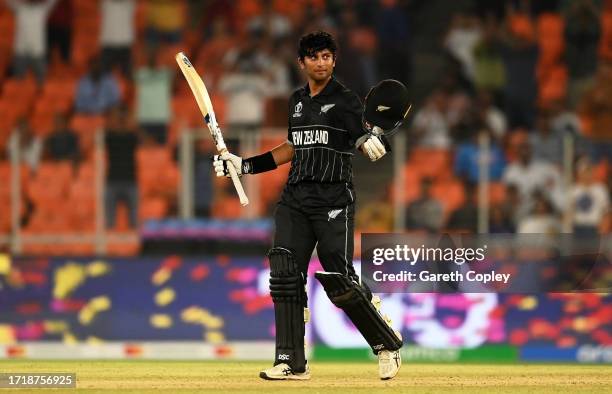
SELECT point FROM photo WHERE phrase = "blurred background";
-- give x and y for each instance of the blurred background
(114, 230)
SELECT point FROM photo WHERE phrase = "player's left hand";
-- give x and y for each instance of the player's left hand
(374, 147)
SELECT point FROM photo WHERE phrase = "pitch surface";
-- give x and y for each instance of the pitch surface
(327, 377)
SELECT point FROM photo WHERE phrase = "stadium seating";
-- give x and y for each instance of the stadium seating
(158, 179)
(551, 73)
(86, 126)
(63, 196)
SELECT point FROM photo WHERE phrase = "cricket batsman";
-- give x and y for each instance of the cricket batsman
(326, 122)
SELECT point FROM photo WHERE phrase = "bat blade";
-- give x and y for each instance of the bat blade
(205, 104)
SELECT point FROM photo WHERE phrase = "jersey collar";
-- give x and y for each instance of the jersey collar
(328, 90)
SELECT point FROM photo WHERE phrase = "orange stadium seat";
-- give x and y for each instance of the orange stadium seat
(497, 192)
(82, 197)
(157, 172)
(42, 122)
(226, 207)
(153, 208)
(42, 118)
(412, 184)
(246, 9)
(550, 28)
(140, 17)
(86, 28)
(7, 27)
(50, 183)
(186, 111)
(5, 60)
(450, 192)
(553, 86)
(61, 91)
(605, 43)
(19, 88)
(7, 120)
(86, 127)
(5, 188)
(601, 170)
(208, 61)
(18, 95)
(410, 188)
(165, 56)
(435, 163)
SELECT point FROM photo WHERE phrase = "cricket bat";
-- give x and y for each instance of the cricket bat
(201, 95)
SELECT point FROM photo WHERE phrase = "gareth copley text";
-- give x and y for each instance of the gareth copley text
(426, 276)
(410, 255)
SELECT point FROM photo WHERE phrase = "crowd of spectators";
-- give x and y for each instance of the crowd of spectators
(522, 75)
(497, 88)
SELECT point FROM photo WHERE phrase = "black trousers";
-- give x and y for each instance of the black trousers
(330, 229)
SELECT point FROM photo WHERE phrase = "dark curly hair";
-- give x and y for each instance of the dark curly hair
(312, 43)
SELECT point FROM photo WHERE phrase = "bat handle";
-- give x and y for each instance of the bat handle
(244, 200)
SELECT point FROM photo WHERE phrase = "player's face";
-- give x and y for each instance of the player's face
(319, 66)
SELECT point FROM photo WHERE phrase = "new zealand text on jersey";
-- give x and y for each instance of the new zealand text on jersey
(309, 137)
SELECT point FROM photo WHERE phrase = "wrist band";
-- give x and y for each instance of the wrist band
(256, 164)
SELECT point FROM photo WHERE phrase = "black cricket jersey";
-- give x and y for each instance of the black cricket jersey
(323, 131)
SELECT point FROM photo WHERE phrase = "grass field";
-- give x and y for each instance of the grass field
(327, 377)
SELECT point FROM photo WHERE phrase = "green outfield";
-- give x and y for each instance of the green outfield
(328, 377)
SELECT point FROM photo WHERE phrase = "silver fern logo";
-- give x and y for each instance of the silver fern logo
(327, 107)
(333, 214)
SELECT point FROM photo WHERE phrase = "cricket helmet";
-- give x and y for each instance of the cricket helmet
(386, 105)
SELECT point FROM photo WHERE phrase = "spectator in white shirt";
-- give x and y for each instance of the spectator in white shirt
(431, 125)
(530, 175)
(542, 220)
(117, 34)
(246, 88)
(30, 46)
(589, 200)
(463, 36)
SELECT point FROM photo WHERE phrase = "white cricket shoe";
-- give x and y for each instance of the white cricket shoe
(389, 362)
(284, 372)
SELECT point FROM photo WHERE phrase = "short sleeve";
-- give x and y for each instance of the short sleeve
(352, 117)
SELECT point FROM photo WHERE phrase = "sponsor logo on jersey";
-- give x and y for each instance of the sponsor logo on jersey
(298, 110)
(327, 107)
(310, 137)
(333, 214)
(381, 108)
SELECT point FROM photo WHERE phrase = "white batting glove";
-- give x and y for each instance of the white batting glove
(220, 164)
(374, 148)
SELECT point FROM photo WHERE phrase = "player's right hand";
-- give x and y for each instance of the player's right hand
(220, 164)
(374, 147)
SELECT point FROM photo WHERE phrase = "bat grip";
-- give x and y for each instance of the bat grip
(244, 200)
